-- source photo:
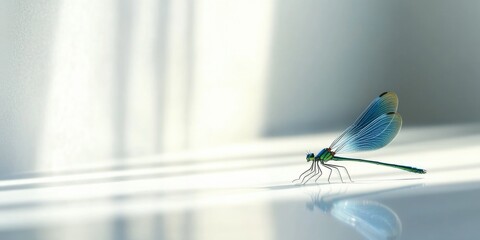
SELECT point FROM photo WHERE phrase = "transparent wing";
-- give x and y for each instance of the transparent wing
(377, 134)
(385, 103)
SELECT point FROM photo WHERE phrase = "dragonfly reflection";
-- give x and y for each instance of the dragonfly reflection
(371, 219)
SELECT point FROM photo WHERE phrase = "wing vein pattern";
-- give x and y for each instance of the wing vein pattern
(374, 128)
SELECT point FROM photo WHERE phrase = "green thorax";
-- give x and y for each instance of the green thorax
(325, 155)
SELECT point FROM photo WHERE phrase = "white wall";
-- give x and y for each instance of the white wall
(330, 58)
(88, 81)
(83, 81)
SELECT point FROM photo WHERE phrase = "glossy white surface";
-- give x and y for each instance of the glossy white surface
(244, 192)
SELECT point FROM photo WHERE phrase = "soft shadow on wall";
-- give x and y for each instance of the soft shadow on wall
(115, 80)
(330, 59)
(25, 73)
(107, 81)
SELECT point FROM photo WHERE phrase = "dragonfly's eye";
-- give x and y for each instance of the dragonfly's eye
(309, 157)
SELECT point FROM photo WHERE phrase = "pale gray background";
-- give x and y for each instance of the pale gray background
(326, 61)
(331, 58)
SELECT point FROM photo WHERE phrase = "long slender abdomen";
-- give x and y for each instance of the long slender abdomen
(401, 167)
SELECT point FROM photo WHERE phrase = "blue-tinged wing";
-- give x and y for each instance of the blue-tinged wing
(385, 103)
(377, 134)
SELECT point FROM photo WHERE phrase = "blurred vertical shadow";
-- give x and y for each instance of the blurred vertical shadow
(190, 61)
(161, 45)
(120, 93)
(25, 67)
(188, 223)
(123, 48)
(24, 87)
(161, 66)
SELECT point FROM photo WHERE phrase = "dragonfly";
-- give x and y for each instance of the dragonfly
(375, 128)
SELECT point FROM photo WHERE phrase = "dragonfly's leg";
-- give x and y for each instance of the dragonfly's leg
(329, 175)
(314, 173)
(310, 173)
(320, 172)
(334, 167)
(310, 169)
(317, 170)
(345, 170)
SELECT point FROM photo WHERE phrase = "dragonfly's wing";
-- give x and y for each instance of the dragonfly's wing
(377, 134)
(385, 103)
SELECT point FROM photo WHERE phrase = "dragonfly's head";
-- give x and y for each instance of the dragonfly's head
(310, 156)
